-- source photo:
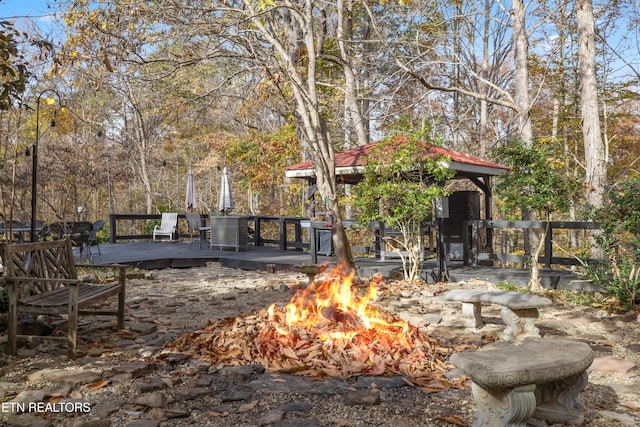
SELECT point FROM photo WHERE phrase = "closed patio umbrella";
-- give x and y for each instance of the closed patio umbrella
(226, 199)
(191, 198)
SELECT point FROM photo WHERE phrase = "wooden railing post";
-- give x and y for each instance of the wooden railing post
(298, 232)
(283, 233)
(257, 239)
(466, 242)
(548, 242)
(112, 228)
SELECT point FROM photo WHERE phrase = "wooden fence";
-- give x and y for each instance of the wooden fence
(485, 241)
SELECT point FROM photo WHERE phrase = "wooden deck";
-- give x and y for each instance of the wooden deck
(181, 254)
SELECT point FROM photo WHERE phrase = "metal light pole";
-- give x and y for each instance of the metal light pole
(34, 167)
(177, 185)
(109, 186)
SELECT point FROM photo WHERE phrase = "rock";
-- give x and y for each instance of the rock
(144, 328)
(270, 417)
(380, 382)
(148, 384)
(143, 423)
(224, 409)
(633, 347)
(301, 422)
(623, 419)
(176, 357)
(625, 388)
(432, 319)
(95, 352)
(246, 407)
(92, 423)
(134, 369)
(192, 393)
(634, 405)
(202, 382)
(362, 397)
(156, 414)
(611, 364)
(28, 396)
(241, 372)
(152, 400)
(173, 414)
(105, 409)
(559, 325)
(61, 390)
(296, 407)
(236, 396)
(27, 421)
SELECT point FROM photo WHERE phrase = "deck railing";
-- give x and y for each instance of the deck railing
(288, 236)
(566, 243)
(504, 241)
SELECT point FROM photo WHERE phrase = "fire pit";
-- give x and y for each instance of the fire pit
(327, 329)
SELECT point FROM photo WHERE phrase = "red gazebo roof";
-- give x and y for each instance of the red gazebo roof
(351, 162)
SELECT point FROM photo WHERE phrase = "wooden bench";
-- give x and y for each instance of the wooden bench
(41, 278)
(519, 310)
(541, 378)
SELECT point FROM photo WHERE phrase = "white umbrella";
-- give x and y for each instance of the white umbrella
(191, 198)
(226, 199)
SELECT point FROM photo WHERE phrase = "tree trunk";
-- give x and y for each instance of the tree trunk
(141, 144)
(303, 78)
(483, 86)
(594, 153)
(535, 285)
(521, 96)
(595, 162)
(353, 115)
(520, 54)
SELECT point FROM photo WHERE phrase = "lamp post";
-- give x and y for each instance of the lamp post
(109, 186)
(34, 167)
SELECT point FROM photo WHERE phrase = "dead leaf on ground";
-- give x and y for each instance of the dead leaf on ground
(98, 385)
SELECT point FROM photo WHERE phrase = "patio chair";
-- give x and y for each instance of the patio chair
(167, 227)
(93, 235)
(195, 227)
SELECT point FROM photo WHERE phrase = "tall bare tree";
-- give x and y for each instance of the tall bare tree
(294, 34)
(595, 162)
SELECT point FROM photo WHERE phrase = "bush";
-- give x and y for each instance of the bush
(620, 242)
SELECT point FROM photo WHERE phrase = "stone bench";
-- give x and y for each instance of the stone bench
(519, 310)
(541, 378)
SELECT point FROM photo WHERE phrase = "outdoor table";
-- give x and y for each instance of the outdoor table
(20, 231)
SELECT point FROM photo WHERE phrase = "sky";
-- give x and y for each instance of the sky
(34, 8)
(37, 10)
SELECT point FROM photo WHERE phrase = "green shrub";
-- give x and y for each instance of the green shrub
(620, 242)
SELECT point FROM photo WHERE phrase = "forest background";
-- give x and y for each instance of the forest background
(142, 91)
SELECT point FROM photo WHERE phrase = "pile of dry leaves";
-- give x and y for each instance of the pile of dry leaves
(333, 340)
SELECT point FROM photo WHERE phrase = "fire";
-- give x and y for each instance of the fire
(334, 311)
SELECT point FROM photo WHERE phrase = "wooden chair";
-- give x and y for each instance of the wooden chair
(167, 227)
(41, 278)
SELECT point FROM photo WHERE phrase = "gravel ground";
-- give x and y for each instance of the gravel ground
(174, 301)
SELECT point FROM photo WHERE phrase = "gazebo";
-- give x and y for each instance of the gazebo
(461, 206)
(350, 166)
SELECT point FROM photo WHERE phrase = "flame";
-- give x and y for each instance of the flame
(332, 310)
